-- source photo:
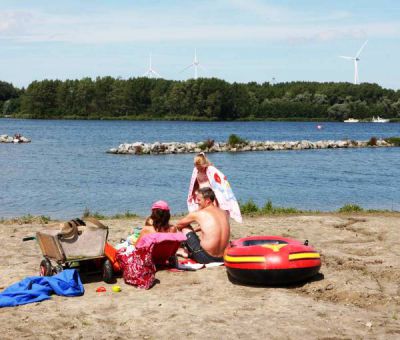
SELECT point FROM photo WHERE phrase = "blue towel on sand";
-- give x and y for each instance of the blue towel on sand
(39, 288)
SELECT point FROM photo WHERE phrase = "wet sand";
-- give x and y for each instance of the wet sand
(358, 296)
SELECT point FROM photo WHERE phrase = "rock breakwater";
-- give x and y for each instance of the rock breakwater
(140, 148)
(14, 139)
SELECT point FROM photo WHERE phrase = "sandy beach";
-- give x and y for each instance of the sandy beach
(357, 297)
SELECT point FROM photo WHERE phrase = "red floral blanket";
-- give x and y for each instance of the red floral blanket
(138, 268)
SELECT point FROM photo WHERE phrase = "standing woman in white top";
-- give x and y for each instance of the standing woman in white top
(205, 174)
(201, 163)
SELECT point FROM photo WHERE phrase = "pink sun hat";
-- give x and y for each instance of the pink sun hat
(160, 205)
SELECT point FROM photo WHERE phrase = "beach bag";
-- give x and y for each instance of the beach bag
(137, 267)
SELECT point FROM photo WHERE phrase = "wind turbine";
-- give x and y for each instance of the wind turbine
(356, 59)
(151, 72)
(195, 64)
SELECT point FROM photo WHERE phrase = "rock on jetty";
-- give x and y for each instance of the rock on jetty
(16, 139)
(140, 148)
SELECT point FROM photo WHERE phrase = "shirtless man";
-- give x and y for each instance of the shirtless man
(213, 225)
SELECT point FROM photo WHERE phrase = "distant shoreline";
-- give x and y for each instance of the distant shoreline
(203, 99)
(191, 119)
(179, 119)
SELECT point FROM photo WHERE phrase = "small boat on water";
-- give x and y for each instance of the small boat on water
(351, 120)
(378, 119)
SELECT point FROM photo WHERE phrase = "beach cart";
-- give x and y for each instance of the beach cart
(75, 244)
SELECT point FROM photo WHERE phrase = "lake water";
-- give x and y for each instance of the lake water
(65, 169)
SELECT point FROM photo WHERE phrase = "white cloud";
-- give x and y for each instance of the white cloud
(263, 10)
(13, 23)
(153, 26)
(280, 14)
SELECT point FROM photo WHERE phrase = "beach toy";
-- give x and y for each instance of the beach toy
(270, 260)
(116, 289)
(133, 237)
(101, 289)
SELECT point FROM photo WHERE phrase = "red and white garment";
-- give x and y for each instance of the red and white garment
(137, 267)
(222, 189)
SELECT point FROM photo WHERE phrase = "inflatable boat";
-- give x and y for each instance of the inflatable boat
(270, 260)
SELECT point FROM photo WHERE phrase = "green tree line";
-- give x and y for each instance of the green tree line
(201, 99)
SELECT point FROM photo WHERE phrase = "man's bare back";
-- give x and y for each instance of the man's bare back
(214, 229)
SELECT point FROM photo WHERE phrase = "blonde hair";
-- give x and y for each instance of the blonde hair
(201, 159)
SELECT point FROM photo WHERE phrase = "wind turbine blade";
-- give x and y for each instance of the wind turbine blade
(344, 57)
(187, 67)
(157, 74)
(362, 47)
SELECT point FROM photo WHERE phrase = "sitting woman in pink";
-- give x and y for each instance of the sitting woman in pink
(158, 222)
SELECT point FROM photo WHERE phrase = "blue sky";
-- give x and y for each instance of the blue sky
(237, 40)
